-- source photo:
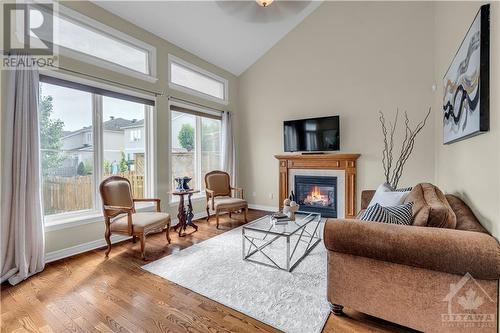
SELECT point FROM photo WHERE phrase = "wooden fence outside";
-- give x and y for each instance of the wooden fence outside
(65, 194)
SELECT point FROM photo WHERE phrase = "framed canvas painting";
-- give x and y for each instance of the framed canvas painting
(466, 99)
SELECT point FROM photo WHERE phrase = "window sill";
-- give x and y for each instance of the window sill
(63, 222)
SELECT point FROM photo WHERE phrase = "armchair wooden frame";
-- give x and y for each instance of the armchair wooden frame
(211, 195)
(112, 211)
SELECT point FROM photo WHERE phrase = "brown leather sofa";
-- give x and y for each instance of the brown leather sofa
(440, 274)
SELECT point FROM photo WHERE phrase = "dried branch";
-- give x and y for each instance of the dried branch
(385, 151)
(391, 140)
(393, 181)
(406, 147)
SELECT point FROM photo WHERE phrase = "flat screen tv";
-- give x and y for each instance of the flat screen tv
(312, 135)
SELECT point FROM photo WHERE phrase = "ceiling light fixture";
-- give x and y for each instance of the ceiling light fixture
(264, 3)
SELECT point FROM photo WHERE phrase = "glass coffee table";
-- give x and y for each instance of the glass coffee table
(281, 246)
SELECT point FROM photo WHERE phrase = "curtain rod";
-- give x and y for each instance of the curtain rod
(155, 93)
(193, 103)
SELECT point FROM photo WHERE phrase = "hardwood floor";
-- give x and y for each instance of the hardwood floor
(89, 293)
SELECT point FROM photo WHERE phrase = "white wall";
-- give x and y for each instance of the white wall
(347, 58)
(469, 168)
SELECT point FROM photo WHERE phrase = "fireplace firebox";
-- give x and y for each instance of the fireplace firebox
(317, 194)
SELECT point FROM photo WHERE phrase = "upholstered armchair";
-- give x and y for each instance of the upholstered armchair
(117, 200)
(219, 195)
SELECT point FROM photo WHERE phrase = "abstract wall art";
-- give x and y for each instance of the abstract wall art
(466, 98)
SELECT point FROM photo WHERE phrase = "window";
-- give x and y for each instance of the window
(186, 77)
(77, 152)
(122, 156)
(196, 146)
(85, 39)
(66, 156)
(135, 135)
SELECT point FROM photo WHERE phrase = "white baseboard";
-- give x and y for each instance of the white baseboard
(80, 248)
(263, 207)
(89, 246)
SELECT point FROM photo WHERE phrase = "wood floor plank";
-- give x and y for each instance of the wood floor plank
(92, 293)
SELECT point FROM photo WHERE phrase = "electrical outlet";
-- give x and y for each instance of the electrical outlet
(271, 195)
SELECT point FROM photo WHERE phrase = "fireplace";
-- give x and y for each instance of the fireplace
(340, 165)
(317, 194)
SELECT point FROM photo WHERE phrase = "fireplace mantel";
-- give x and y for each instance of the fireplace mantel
(340, 161)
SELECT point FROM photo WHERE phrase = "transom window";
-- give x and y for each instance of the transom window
(85, 39)
(85, 138)
(189, 78)
(195, 145)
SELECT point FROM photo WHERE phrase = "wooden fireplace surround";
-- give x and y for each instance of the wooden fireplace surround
(346, 162)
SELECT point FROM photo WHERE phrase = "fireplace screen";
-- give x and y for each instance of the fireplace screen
(317, 194)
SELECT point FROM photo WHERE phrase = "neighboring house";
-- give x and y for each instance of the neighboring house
(117, 135)
(134, 143)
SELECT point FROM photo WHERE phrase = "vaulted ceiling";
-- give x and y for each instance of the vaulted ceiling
(230, 34)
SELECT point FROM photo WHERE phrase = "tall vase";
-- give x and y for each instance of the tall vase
(185, 183)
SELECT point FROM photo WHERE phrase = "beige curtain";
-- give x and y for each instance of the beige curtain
(228, 146)
(22, 232)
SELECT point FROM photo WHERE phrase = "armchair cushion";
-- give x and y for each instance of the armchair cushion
(439, 249)
(227, 203)
(142, 222)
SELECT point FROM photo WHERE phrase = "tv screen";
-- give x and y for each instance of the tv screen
(314, 134)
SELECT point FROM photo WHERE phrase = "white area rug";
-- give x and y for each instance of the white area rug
(291, 302)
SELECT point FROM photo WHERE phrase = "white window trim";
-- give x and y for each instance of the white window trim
(75, 218)
(91, 24)
(70, 77)
(179, 61)
(201, 196)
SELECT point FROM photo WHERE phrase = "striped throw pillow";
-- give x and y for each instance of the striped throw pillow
(401, 214)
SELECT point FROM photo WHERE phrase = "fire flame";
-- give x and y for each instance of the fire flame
(316, 198)
(315, 193)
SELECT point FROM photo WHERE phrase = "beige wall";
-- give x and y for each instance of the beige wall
(469, 168)
(74, 236)
(347, 58)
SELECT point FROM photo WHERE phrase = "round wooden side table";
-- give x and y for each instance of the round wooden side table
(185, 214)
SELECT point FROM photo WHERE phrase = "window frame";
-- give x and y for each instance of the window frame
(81, 217)
(173, 199)
(105, 30)
(178, 61)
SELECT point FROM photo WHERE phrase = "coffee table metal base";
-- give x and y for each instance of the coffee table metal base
(310, 238)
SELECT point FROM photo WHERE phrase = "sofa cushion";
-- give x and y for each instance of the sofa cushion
(366, 197)
(401, 214)
(386, 196)
(466, 220)
(430, 207)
